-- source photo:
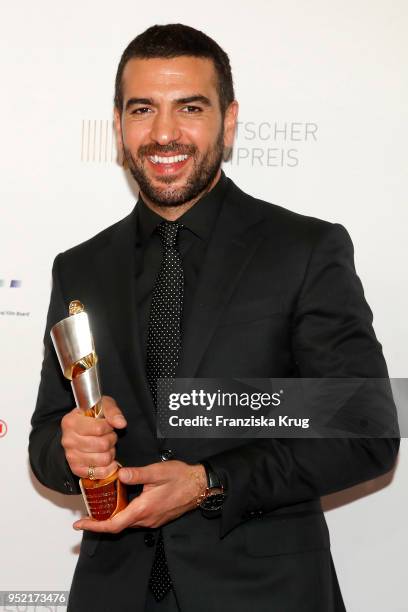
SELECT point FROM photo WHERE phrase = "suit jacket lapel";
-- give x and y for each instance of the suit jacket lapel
(116, 266)
(236, 237)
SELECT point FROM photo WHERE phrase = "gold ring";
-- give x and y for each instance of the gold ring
(91, 472)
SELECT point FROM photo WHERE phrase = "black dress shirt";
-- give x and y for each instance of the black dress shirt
(198, 224)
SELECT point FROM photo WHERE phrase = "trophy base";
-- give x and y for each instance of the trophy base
(104, 498)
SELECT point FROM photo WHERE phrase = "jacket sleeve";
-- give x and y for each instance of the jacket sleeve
(332, 336)
(47, 456)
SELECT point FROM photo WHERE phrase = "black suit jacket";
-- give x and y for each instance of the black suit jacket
(278, 296)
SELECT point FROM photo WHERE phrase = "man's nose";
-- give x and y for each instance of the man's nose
(165, 128)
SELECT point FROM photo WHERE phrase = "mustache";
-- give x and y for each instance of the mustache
(172, 147)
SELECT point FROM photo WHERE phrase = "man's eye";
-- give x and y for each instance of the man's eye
(191, 109)
(140, 111)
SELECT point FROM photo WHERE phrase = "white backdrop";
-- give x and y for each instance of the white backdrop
(323, 129)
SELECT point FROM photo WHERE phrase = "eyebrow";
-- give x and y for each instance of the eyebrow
(195, 98)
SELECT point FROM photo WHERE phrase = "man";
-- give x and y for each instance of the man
(202, 280)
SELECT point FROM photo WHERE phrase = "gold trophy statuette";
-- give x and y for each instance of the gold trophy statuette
(74, 345)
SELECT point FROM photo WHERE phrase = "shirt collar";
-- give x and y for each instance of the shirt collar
(199, 219)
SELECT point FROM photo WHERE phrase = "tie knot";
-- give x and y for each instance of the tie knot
(168, 232)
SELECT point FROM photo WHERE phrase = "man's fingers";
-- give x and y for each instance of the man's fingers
(152, 473)
(75, 421)
(159, 502)
(94, 444)
(91, 442)
(99, 472)
(120, 521)
(87, 459)
(112, 412)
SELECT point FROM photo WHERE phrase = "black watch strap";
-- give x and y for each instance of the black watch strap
(213, 480)
(212, 501)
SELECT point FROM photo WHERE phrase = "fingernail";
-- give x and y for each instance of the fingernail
(77, 526)
(119, 421)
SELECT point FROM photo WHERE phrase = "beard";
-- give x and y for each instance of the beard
(201, 176)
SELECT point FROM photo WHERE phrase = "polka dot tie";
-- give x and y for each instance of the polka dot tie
(163, 352)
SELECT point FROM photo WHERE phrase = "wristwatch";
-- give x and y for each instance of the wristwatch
(214, 496)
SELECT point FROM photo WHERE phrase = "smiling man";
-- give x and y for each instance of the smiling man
(202, 280)
(173, 142)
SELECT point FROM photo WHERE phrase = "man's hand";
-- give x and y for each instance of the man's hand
(91, 442)
(170, 489)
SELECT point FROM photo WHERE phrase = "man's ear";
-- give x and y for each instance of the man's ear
(119, 140)
(230, 124)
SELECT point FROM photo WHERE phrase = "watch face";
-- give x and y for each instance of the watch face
(213, 502)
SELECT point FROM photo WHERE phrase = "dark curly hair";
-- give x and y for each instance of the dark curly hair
(175, 40)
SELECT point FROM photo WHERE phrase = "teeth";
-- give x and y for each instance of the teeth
(156, 159)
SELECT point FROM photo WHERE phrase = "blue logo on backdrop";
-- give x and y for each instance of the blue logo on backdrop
(12, 284)
(10, 307)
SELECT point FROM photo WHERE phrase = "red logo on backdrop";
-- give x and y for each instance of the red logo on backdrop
(3, 428)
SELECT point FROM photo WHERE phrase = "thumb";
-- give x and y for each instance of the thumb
(139, 475)
(113, 413)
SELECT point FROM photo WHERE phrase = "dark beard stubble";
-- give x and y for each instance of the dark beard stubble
(201, 177)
